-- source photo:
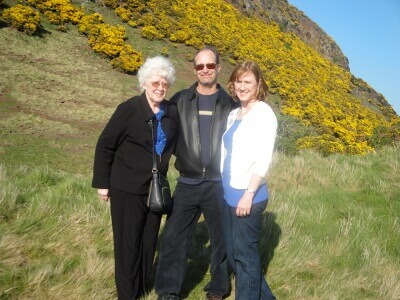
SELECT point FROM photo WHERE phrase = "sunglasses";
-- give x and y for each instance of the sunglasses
(200, 67)
(156, 84)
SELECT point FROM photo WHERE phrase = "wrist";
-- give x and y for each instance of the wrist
(251, 191)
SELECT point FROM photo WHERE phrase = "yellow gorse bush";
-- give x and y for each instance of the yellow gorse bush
(58, 11)
(313, 89)
(110, 41)
(128, 60)
(88, 23)
(23, 18)
(124, 14)
(105, 39)
(150, 32)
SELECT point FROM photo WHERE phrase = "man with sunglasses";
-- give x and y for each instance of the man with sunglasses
(203, 111)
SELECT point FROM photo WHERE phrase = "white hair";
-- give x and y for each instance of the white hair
(158, 65)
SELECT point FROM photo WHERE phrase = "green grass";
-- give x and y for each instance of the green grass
(339, 224)
(331, 230)
(54, 238)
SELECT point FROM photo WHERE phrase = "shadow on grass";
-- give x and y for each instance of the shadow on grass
(269, 239)
(198, 260)
(199, 255)
(3, 24)
(42, 32)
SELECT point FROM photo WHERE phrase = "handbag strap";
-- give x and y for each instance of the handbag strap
(154, 170)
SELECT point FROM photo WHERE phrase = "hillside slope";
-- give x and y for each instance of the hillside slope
(56, 94)
(334, 111)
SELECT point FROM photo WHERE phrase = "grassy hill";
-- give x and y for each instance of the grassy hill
(57, 94)
(323, 104)
(331, 230)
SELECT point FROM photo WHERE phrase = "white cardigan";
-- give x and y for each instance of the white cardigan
(253, 144)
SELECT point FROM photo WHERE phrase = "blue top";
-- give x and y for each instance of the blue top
(232, 195)
(161, 139)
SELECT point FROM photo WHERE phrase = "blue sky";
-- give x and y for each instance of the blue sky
(368, 32)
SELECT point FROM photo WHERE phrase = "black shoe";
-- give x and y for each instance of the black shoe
(211, 296)
(168, 297)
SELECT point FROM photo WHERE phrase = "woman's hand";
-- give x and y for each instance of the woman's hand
(104, 194)
(244, 206)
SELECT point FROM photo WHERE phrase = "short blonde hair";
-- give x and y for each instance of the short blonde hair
(158, 65)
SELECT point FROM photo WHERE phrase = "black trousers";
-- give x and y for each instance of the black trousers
(135, 232)
(190, 201)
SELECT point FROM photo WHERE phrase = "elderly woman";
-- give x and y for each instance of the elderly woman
(122, 173)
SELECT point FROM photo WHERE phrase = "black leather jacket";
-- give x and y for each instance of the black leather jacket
(187, 152)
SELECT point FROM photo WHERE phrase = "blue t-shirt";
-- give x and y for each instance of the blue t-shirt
(232, 195)
(206, 105)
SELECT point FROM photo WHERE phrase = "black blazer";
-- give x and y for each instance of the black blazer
(123, 157)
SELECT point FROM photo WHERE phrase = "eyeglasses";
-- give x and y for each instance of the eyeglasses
(200, 67)
(156, 84)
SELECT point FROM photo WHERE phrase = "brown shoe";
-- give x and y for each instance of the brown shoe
(213, 296)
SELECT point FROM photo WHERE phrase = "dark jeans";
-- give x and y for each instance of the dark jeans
(135, 232)
(189, 202)
(241, 239)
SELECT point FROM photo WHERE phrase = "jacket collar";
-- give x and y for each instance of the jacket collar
(222, 95)
(145, 106)
(146, 109)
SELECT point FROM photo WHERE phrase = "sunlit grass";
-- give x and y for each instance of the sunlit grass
(330, 232)
(339, 222)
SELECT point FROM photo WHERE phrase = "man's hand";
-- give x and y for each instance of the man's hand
(104, 194)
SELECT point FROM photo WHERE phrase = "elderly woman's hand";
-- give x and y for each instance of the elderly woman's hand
(104, 194)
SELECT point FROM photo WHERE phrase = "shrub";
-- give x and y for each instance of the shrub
(165, 51)
(124, 14)
(132, 23)
(147, 19)
(87, 24)
(384, 136)
(137, 5)
(150, 33)
(179, 36)
(111, 3)
(23, 18)
(59, 11)
(129, 60)
(167, 25)
(290, 130)
(107, 39)
(324, 144)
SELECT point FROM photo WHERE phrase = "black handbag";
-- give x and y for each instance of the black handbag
(159, 199)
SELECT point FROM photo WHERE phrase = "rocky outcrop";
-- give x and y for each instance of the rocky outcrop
(290, 19)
